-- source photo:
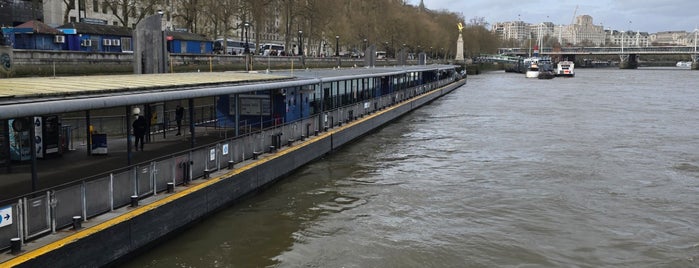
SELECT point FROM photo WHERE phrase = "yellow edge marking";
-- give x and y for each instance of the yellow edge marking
(207, 182)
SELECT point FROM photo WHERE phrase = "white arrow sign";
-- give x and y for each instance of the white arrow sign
(5, 216)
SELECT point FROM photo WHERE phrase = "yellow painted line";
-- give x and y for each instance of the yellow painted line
(184, 192)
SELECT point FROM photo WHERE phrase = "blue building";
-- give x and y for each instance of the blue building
(34, 35)
(96, 37)
(190, 43)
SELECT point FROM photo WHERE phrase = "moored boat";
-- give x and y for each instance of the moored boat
(684, 64)
(565, 68)
(532, 71)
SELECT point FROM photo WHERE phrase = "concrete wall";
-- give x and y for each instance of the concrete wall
(62, 63)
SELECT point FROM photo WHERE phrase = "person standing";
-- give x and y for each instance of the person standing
(179, 114)
(139, 131)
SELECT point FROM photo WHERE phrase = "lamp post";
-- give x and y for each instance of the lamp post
(300, 43)
(365, 47)
(337, 46)
(247, 46)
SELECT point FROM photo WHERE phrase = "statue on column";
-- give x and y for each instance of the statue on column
(460, 44)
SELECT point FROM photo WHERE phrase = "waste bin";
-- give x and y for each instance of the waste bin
(99, 143)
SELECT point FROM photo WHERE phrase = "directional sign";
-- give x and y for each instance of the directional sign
(5, 216)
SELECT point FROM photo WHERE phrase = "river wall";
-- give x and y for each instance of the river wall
(138, 227)
(28, 63)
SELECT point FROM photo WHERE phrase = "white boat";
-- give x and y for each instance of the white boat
(535, 65)
(684, 64)
(532, 71)
(565, 68)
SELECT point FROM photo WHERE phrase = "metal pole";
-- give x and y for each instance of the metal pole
(337, 46)
(128, 135)
(191, 120)
(32, 142)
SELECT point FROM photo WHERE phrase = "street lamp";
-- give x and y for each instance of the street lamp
(365, 47)
(337, 46)
(300, 43)
(247, 46)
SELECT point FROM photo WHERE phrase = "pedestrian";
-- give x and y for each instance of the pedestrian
(139, 131)
(179, 114)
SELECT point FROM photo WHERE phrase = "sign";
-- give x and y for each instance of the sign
(5, 216)
(224, 149)
(255, 105)
(212, 154)
(38, 139)
(93, 21)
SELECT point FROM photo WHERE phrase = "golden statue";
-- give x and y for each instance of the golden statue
(460, 26)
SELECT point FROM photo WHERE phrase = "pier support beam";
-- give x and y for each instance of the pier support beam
(695, 62)
(628, 61)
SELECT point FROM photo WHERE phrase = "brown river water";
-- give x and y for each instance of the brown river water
(599, 170)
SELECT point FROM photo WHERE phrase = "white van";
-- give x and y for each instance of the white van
(272, 50)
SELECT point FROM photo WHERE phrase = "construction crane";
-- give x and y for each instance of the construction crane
(571, 27)
(575, 12)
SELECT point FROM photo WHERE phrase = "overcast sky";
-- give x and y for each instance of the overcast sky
(636, 15)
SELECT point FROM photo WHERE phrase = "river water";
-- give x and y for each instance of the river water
(600, 170)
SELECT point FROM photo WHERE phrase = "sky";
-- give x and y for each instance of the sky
(635, 15)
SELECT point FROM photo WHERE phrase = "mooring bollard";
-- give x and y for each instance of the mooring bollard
(207, 173)
(134, 201)
(15, 245)
(77, 222)
(170, 187)
(231, 164)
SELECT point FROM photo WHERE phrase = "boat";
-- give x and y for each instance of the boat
(535, 65)
(546, 74)
(684, 64)
(565, 68)
(532, 70)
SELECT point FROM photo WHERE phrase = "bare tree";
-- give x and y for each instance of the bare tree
(124, 10)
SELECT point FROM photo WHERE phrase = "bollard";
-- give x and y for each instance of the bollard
(170, 187)
(290, 142)
(325, 129)
(230, 164)
(316, 132)
(271, 149)
(207, 173)
(77, 222)
(16, 245)
(303, 137)
(255, 155)
(134, 201)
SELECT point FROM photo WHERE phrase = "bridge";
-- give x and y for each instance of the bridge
(628, 55)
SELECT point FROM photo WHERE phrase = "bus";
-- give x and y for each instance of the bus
(272, 50)
(233, 47)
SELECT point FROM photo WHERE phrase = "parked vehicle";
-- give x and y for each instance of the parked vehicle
(272, 50)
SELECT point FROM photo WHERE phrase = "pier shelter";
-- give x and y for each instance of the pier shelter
(66, 149)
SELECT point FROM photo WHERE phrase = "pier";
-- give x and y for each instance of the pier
(93, 202)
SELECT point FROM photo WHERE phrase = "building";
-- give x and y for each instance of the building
(582, 33)
(629, 39)
(671, 38)
(517, 30)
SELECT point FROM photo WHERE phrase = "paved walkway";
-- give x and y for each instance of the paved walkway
(77, 164)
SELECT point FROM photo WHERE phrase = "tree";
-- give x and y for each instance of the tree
(124, 10)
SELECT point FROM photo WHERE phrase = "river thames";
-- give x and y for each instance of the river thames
(599, 170)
